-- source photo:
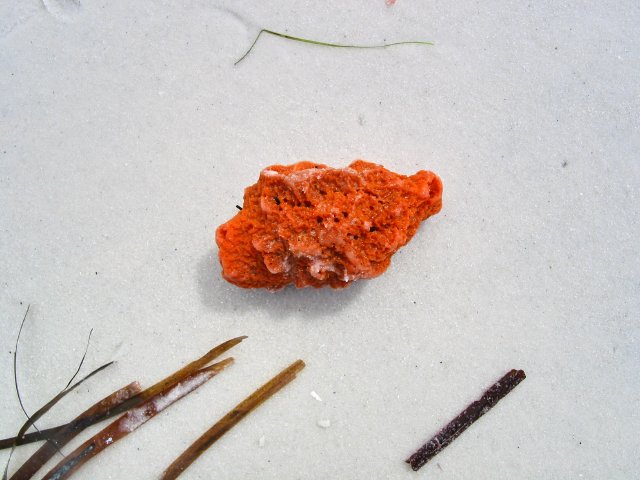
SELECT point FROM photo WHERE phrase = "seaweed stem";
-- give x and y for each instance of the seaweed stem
(325, 44)
(44, 409)
(46, 451)
(133, 419)
(15, 362)
(133, 401)
(32, 419)
(231, 419)
(86, 349)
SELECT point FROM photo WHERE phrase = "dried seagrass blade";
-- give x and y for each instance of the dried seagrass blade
(192, 367)
(44, 434)
(38, 414)
(60, 439)
(41, 434)
(133, 419)
(231, 419)
(15, 365)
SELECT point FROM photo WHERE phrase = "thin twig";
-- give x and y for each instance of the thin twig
(46, 451)
(466, 418)
(230, 419)
(132, 420)
(133, 401)
(324, 44)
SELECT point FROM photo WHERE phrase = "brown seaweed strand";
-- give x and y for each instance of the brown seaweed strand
(466, 418)
(132, 420)
(192, 367)
(15, 371)
(37, 415)
(48, 450)
(231, 419)
(133, 401)
(38, 436)
(172, 379)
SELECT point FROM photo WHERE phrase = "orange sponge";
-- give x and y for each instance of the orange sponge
(309, 224)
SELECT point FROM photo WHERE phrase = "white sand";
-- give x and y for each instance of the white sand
(127, 136)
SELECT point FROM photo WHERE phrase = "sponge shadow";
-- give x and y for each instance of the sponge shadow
(218, 294)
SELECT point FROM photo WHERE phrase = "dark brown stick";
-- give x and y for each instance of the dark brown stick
(465, 419)
(48, 450)
(230, 419)
(132, 420)
(45, 434)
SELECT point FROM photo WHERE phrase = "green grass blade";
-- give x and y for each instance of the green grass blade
(325, 44)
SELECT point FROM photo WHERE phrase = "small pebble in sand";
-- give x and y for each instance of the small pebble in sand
(324, 423)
